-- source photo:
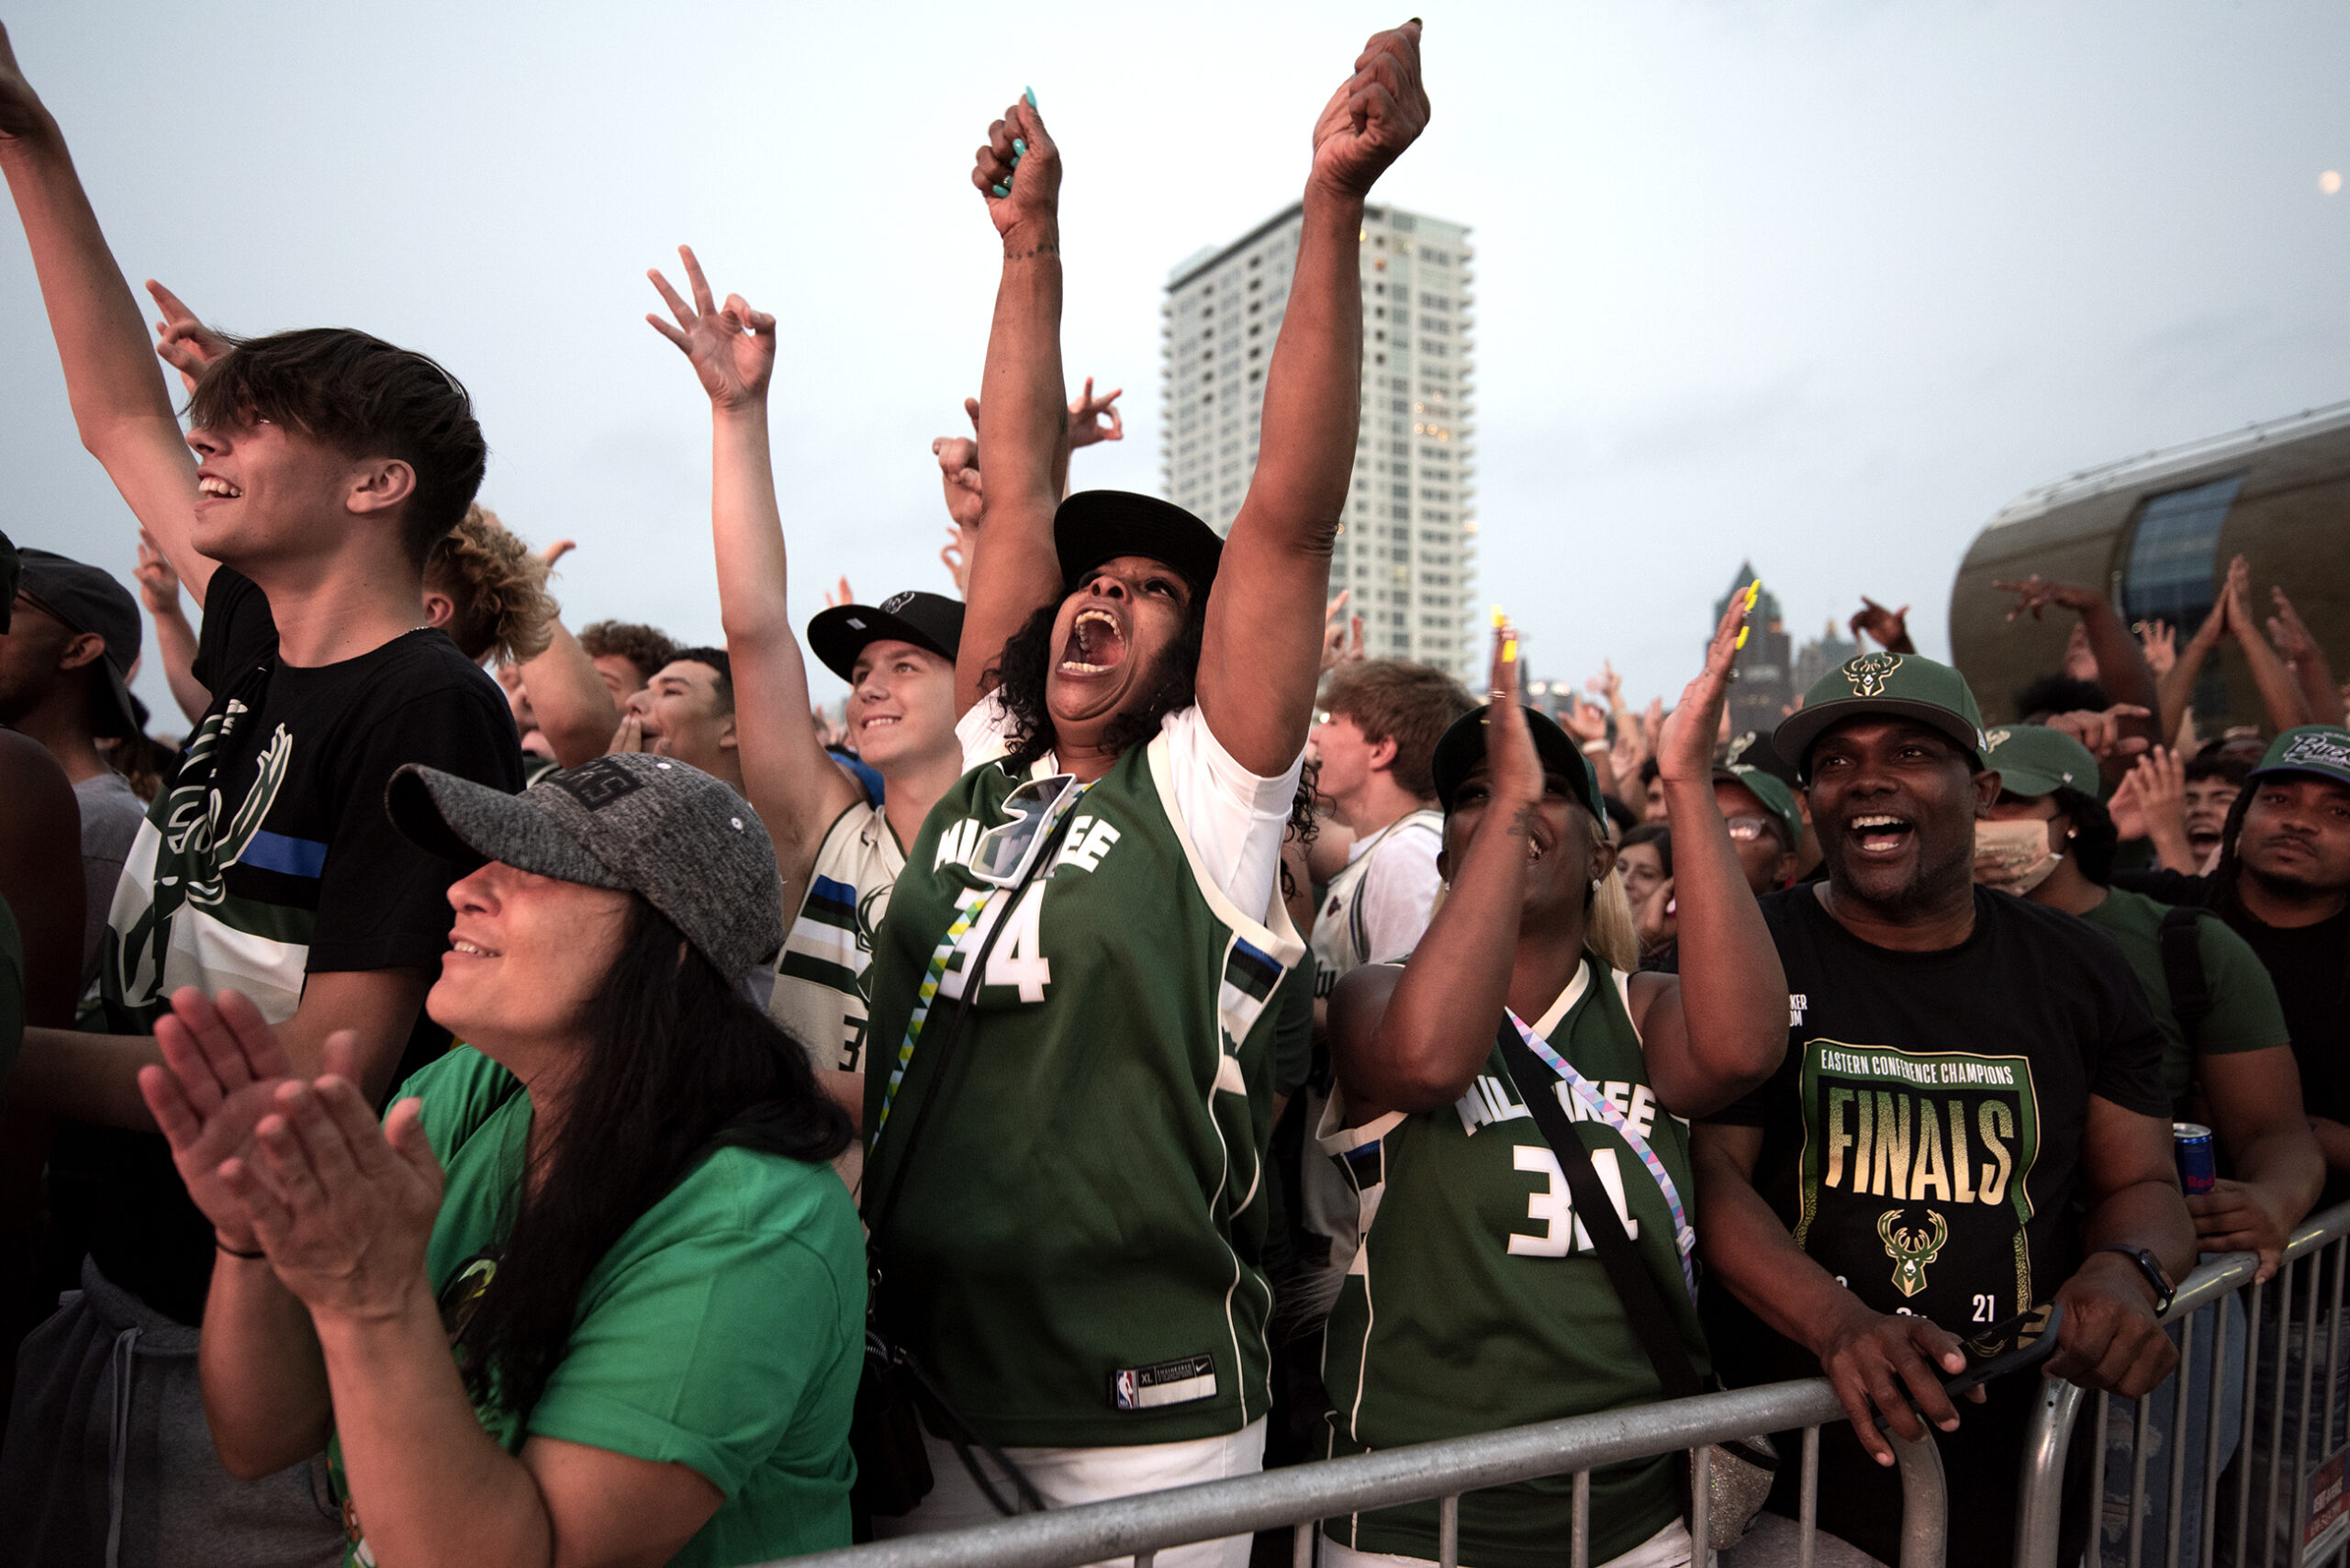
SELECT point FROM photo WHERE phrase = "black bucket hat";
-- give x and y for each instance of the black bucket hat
(929, 620)
(1095, 526)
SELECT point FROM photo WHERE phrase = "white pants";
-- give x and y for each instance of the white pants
(1069, 1476)
(1668, 1548)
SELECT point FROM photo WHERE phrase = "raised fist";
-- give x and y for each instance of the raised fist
(1373, 116)
(1019, 171)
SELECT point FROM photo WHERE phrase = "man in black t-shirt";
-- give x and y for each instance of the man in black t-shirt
(1969, 1126)
(2283, 885)
(326, 462)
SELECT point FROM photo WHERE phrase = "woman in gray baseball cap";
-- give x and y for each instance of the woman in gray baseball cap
(593, 1278)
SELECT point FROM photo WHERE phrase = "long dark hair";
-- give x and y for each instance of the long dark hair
(678, 1065)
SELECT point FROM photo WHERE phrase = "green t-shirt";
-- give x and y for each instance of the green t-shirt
(724, 1331)
(1476, 1302)
(2246, 1014)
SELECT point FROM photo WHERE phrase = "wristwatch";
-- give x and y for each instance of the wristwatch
(2148, 1266)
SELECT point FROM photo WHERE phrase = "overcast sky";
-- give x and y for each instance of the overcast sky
(1824, 284)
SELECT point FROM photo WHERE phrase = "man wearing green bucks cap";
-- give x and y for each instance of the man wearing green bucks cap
(1765, 824)
(1969, 1126)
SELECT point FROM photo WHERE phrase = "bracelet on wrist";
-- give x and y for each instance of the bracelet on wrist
(239, 1253)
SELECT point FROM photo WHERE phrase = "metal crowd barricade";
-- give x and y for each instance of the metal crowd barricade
(1300, 1497)
(2278, 1500)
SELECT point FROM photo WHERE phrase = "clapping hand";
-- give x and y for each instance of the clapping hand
(182, 342)
(1374, 114)
(1685, 750)
(222, 1068)
(2294, 644)
(344, 1207)
(731, 350)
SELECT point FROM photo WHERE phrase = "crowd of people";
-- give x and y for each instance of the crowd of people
(500, 1093)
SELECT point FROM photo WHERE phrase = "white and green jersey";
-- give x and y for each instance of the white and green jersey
(822, 975)
(1375, 908)
(1075, 1254)
(1476, 1302)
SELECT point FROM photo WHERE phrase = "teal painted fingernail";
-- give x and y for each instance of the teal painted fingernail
(1001, 190)
(1019, 149)
(1029, 93)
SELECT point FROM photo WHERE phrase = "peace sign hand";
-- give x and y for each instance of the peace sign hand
(731, 350)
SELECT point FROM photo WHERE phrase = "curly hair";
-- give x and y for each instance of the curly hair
(1021, 670)
(641, 645)
(500, 589)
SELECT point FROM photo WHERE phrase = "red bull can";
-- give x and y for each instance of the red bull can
(2198, 1168)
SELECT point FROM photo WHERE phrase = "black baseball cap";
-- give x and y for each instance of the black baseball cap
(2321, 749)
(1463, 747)
(1095, 526)
(88, 598)
(648, 824)
(929, 620)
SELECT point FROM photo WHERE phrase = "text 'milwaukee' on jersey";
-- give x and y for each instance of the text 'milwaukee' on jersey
(823, 975)
(1476, 1302)
(1075, 1255)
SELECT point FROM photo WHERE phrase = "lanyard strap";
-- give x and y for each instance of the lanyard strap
(976, 902)
(972, 907)
(1684, 1239)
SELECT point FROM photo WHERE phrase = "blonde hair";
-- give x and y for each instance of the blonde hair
(499, 588)
(1608, 931)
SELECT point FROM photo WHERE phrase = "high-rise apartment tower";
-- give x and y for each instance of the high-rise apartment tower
(1408, 551)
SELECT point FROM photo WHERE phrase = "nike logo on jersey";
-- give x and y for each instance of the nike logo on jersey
(1489, 1100)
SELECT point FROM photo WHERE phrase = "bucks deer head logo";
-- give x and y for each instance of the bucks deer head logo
(1869, 673)
(1911, 1250)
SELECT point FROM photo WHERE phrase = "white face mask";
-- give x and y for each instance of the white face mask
(2013, 856)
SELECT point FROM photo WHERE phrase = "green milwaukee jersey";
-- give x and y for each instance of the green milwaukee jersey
(1476, 1302)
(1075, 1253)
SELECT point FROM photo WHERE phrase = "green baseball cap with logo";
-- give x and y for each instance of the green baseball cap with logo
(2032, 760)
(2321, 749)
(1902, 686)
(1776, 797)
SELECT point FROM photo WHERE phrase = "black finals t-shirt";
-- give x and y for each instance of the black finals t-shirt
(1922, 1142)
(270, 857)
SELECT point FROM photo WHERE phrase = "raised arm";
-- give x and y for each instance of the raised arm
(175, 639)
(1411, 1038)
(1719, 1028)
(2120, 663)
(1023, 413)
(2304, 658)
(2280, 693)
(121, 405)
(1260, 659)
(792, 782)
(573, 705)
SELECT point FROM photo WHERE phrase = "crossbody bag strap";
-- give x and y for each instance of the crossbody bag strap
(1652, 1320)
(974, 977)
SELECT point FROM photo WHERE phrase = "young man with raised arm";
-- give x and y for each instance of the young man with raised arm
(1969, 1127)
(325, 463)
(838, 853)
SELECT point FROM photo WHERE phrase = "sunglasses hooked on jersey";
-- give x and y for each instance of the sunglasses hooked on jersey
(1004, 853)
